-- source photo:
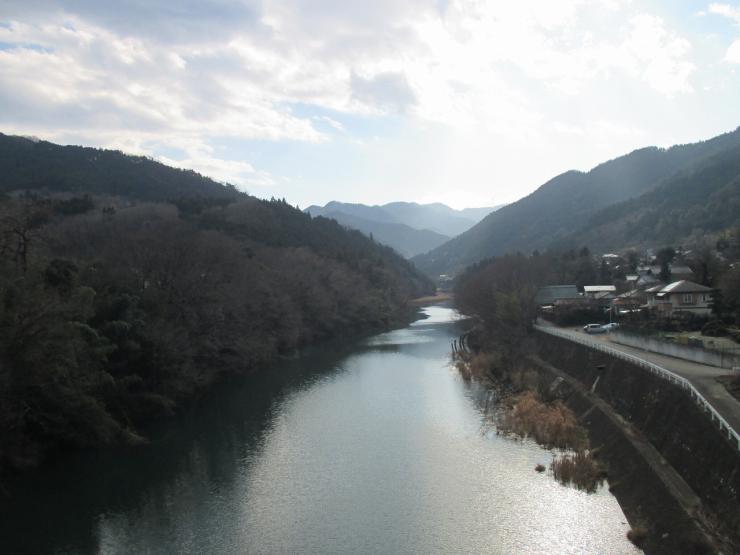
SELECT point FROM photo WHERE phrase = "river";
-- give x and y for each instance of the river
(375, 447)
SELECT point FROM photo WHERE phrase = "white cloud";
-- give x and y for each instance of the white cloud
(733, 53)
(726, 10)
(659, 56)
(241, 174)
(113, 75)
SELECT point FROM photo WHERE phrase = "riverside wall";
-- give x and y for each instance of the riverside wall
(663, 415)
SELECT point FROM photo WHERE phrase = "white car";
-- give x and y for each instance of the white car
(610, 326)
(594, 328)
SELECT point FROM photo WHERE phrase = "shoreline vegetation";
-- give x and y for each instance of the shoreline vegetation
(527, 407)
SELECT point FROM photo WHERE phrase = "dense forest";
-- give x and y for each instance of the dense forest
(661, 186)
(114, 308)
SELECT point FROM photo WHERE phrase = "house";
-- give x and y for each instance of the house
(631, 301)
(681, 272)
(551, 293)
(681, 296)
(651, 294)
(599, 291)
(647, 280)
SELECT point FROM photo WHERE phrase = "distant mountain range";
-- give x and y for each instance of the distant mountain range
(408, 227)
(650, 197)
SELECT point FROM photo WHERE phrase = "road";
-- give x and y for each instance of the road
(702, 377)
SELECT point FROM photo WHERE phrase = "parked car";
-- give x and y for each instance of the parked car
(610, 326)
(594, 328)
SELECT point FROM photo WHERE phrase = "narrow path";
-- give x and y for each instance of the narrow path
(702, 377)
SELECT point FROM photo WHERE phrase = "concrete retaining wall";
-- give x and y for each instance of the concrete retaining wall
(667, 417)
(695, 354)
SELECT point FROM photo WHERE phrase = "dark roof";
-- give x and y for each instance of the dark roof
(551, 293)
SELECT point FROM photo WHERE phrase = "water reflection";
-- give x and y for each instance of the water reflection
(374, 450)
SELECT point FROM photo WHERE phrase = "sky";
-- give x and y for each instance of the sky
(466, 102)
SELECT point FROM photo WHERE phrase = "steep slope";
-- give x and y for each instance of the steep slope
(402, 238)
(563, 205)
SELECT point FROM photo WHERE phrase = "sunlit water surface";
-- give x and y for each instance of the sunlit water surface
(377, 448)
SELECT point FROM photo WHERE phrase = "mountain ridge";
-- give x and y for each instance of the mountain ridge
(409, 227)
(562, 206)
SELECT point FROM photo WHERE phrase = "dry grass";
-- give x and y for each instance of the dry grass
(476, 366)
(549, 424)
(523, 379)
(580, 469)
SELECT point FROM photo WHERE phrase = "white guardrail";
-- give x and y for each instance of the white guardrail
(732, 435)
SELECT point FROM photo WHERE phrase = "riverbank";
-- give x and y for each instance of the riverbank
(379, 434)
(658, 502)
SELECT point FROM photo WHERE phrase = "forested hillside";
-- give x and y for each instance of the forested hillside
(685, 208)
(113, 310)
(562, 207)
(45, 166)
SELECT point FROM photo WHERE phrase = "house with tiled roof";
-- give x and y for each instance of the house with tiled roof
(681, 296)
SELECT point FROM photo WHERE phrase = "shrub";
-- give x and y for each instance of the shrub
(580, 469)
(549, 424)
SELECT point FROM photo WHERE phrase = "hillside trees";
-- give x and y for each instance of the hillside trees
(119, 315)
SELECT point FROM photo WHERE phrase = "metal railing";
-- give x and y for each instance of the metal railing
(664, 373)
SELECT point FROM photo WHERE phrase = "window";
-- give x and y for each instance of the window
(688, 298)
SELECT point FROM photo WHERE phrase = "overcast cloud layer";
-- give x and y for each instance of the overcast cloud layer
(465, 102)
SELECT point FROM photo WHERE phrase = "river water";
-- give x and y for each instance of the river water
(376, 447)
